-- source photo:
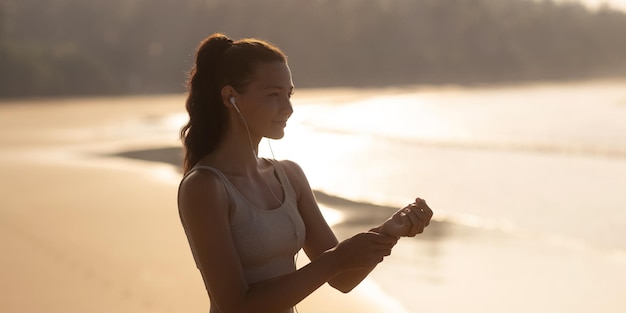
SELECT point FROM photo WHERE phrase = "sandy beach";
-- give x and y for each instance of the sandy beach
(84, 231)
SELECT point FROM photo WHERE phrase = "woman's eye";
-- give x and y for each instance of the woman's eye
(280, 94)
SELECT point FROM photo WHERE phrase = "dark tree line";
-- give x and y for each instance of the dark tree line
(84, 47)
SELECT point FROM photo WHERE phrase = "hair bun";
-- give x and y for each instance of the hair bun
(221, 41)
(211, 49)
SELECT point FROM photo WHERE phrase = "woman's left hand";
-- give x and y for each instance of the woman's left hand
(408, 221)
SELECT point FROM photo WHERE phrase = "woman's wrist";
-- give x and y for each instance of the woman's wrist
(381, 231)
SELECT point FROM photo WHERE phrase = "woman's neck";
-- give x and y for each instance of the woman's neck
(236, 154)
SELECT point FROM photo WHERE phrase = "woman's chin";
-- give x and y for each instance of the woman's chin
(276, 135)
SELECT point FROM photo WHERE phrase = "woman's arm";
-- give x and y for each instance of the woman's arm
(203, 207)
(319, 236)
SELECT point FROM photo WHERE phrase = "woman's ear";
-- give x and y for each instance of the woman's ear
(228, 96)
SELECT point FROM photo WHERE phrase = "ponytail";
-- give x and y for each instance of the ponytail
(219, 62)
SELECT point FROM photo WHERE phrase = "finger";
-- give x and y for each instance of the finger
(417, 224)
(387, 252)
(425, 212)
(422, 213)
(372, 260)
(410, 219)
(390, 239)
(383, 249)
(422, 204)
(428, 210)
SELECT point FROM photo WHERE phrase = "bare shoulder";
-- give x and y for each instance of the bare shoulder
(199, 189)
(292, 169)
(296, 177)
(200, 178)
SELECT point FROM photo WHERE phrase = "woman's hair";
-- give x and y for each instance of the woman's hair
(219, 62)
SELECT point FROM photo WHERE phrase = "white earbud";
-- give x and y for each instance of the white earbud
(232, 101)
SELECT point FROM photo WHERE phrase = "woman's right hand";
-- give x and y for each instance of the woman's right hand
(364, 250)
(408, 221)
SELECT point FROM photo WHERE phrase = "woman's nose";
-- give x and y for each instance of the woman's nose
(287, 107)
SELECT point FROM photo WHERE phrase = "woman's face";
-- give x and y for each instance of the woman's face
(266, 104)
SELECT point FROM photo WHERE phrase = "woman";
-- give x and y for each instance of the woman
(246, 217)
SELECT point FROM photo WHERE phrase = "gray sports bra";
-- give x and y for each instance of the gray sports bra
(266, 240)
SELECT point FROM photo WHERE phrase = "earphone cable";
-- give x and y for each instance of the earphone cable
(254, 153)
(265, 180)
